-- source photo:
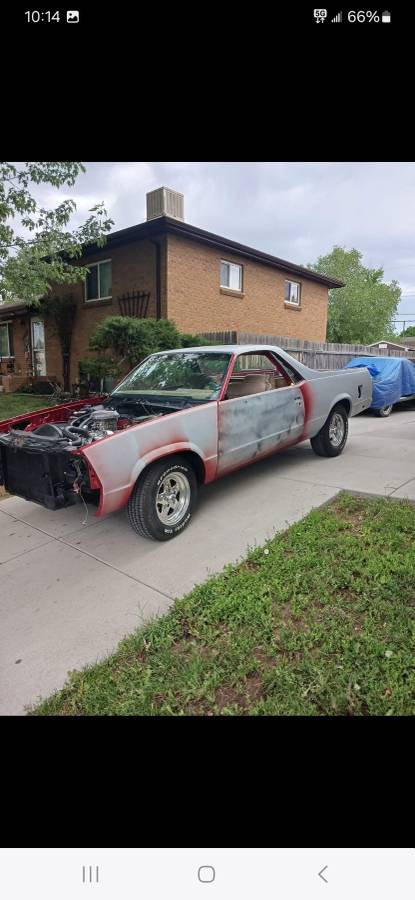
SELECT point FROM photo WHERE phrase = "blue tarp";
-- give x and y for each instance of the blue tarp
(393, 377)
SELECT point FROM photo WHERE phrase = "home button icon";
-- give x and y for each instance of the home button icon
(206, 874)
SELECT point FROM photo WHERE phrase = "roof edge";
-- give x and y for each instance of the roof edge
(167, 225)
(208, 237)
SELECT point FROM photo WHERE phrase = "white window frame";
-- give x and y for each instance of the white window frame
(295, 303)
(226, 287)
(95, 299)
(36, 320)
(6, 355)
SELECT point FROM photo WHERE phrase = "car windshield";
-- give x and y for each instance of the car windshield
(197, 376)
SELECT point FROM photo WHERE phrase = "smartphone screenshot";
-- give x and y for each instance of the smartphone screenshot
(207, 398)
(212, 873)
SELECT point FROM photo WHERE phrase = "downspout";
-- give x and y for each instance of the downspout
(158, 278)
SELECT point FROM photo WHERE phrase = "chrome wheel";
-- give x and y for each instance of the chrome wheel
(386, 411)
(173, 498)
(336, 430)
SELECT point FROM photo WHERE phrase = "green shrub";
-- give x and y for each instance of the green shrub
(98, 367)
(40, 388)
(24, 389)
(131, 340)
(194, 340)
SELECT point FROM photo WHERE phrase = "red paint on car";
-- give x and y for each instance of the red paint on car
(307, 394)
(59, 413)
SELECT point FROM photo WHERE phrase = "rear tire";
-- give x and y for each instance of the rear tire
(164, 499)
(385, 411)
(332, 437)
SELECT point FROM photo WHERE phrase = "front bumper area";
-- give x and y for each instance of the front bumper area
(45, 478)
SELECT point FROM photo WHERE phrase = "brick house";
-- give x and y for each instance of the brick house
(165, 268)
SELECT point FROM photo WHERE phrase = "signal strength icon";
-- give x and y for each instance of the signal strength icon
(337, 18)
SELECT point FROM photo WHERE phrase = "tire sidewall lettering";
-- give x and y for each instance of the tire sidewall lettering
(179, 527)
(170, 469)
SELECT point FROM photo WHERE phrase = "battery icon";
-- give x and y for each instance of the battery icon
(386, 16)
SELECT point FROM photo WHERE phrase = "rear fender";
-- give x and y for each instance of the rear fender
(345, 400)
(323, 407)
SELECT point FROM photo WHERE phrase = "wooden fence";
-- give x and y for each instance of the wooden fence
(317, 355)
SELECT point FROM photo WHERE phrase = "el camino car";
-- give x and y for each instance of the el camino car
(179, 419)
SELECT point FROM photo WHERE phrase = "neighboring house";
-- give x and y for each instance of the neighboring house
(165, 268)
(389, 345)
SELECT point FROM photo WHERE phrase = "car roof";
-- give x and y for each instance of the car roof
(222, 348)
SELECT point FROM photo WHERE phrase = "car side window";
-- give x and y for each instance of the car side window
(254, 373)
(291, 374)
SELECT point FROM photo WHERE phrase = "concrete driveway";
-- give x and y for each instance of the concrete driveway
(69, 591)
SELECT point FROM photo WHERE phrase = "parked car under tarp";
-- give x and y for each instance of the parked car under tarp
(393, 380)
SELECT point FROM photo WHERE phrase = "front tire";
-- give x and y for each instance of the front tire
(332, 437)
(164, 499)
(384, 411)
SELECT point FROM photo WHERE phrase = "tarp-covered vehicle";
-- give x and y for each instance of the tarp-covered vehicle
(181, 418)
(393, 380)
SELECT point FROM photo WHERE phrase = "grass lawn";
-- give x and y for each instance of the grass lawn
(319, 621)
(15, 404)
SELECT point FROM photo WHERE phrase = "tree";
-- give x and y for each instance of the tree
(131, 340)
(30, 265)
(361, 312)
(409, 332)
(62, 312)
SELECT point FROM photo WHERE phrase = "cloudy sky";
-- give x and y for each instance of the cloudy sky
(294, 210)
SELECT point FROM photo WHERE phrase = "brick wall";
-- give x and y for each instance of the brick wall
(19, 328)
(196, 302)
(190, 295)
(133, 268)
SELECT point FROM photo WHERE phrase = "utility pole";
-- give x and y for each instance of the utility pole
(408, 320)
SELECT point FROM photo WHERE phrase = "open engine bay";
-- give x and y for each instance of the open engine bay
(40, 456)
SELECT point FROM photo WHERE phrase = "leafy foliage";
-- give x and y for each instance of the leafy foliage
(409, 332)
(98, 367)
(361, 311)
(194, 340)
(131, 340)
(28, 267)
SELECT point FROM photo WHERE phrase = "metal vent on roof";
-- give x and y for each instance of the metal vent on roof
(165, 202)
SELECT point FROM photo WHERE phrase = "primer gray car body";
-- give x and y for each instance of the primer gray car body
(231, 427)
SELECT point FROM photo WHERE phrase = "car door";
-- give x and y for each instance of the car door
(260, 419)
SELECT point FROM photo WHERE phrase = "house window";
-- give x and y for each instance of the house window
(98, 285)
(230, 276)
(292, 292)
(4, 341)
